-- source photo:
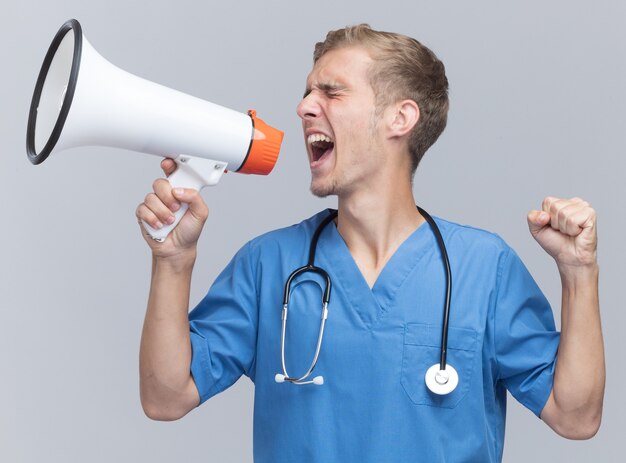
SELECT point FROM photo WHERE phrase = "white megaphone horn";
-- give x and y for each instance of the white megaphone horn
(81, 99)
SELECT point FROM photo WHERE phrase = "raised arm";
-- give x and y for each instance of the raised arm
(167, 389)
(566, 229)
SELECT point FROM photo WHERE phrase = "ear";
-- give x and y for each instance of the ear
(403, 117)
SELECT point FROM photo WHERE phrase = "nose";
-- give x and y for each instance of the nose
(308, 107)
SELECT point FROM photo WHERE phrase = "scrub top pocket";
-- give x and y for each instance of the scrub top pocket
(422, 349)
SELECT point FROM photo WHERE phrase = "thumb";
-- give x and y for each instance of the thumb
(537, 220)
(197, 206)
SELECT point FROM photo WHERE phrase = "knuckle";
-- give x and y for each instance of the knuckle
(164, 215)
(554, 209)
(194, 196)
(552, 202)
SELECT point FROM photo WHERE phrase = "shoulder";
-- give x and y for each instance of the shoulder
(466, 239)
(288, 238)
(478, 253)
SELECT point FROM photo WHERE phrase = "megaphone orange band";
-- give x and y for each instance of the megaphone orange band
(264, 148)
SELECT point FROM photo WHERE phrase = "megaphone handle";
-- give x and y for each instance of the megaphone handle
(193, 173)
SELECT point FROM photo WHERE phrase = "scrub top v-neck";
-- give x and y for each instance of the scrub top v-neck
(371, 303)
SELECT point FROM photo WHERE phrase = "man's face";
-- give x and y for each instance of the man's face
(340, 124)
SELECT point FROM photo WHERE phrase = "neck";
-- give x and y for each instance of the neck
(375, 222)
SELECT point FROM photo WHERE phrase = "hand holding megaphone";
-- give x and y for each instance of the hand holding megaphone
(190, 174)
(159, 209)
(81, 99)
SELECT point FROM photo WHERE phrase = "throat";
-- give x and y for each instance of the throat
(371, 246)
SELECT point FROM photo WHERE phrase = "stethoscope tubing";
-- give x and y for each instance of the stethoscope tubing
(299, 381)
(446, 311)
(310, 267)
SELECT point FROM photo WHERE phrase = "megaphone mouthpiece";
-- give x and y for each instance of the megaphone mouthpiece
(264, 148)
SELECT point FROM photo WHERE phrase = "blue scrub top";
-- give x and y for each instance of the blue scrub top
(378, 343)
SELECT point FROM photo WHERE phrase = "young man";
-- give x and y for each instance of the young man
(374, 103)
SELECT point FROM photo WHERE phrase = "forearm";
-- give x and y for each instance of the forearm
(579, 378)
(167, 389)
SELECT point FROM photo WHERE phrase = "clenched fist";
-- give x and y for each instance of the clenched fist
(566, 229)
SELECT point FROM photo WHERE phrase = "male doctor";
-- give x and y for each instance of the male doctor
(374, 103)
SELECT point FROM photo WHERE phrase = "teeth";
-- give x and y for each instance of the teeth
(318, 137)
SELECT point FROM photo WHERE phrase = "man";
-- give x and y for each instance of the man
(374, 103)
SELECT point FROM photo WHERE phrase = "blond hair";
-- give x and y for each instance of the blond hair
(403, 69)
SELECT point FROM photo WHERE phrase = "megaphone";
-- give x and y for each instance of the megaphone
(81, 99)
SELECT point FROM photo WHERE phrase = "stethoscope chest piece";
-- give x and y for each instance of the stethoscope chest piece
(440, 381)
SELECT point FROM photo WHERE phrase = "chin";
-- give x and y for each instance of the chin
(321, 191)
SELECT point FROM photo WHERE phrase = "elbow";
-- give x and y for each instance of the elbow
(574, 418)
(160, 412)
(586, 430)
(167, 403)
(580, 429)
(156, 413)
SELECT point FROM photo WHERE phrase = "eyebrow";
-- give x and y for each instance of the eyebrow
(326, 88)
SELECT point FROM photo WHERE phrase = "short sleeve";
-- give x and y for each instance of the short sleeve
(525, 336)
(223, 328)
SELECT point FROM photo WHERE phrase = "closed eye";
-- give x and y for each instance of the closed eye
(330, 90)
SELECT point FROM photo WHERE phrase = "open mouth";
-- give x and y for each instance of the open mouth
(321, 145)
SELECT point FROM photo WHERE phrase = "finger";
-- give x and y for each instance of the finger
(571, 217)
(144, 214)
(169, 166)
(537, 220)
(197, 206)
(559, 209)
(553, 206)
(160, 210)
(547, 203)
(163, 189)
(579, 219)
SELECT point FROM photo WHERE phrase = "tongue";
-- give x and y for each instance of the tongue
(320, 149)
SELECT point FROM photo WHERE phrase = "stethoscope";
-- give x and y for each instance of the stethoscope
(441, 378)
